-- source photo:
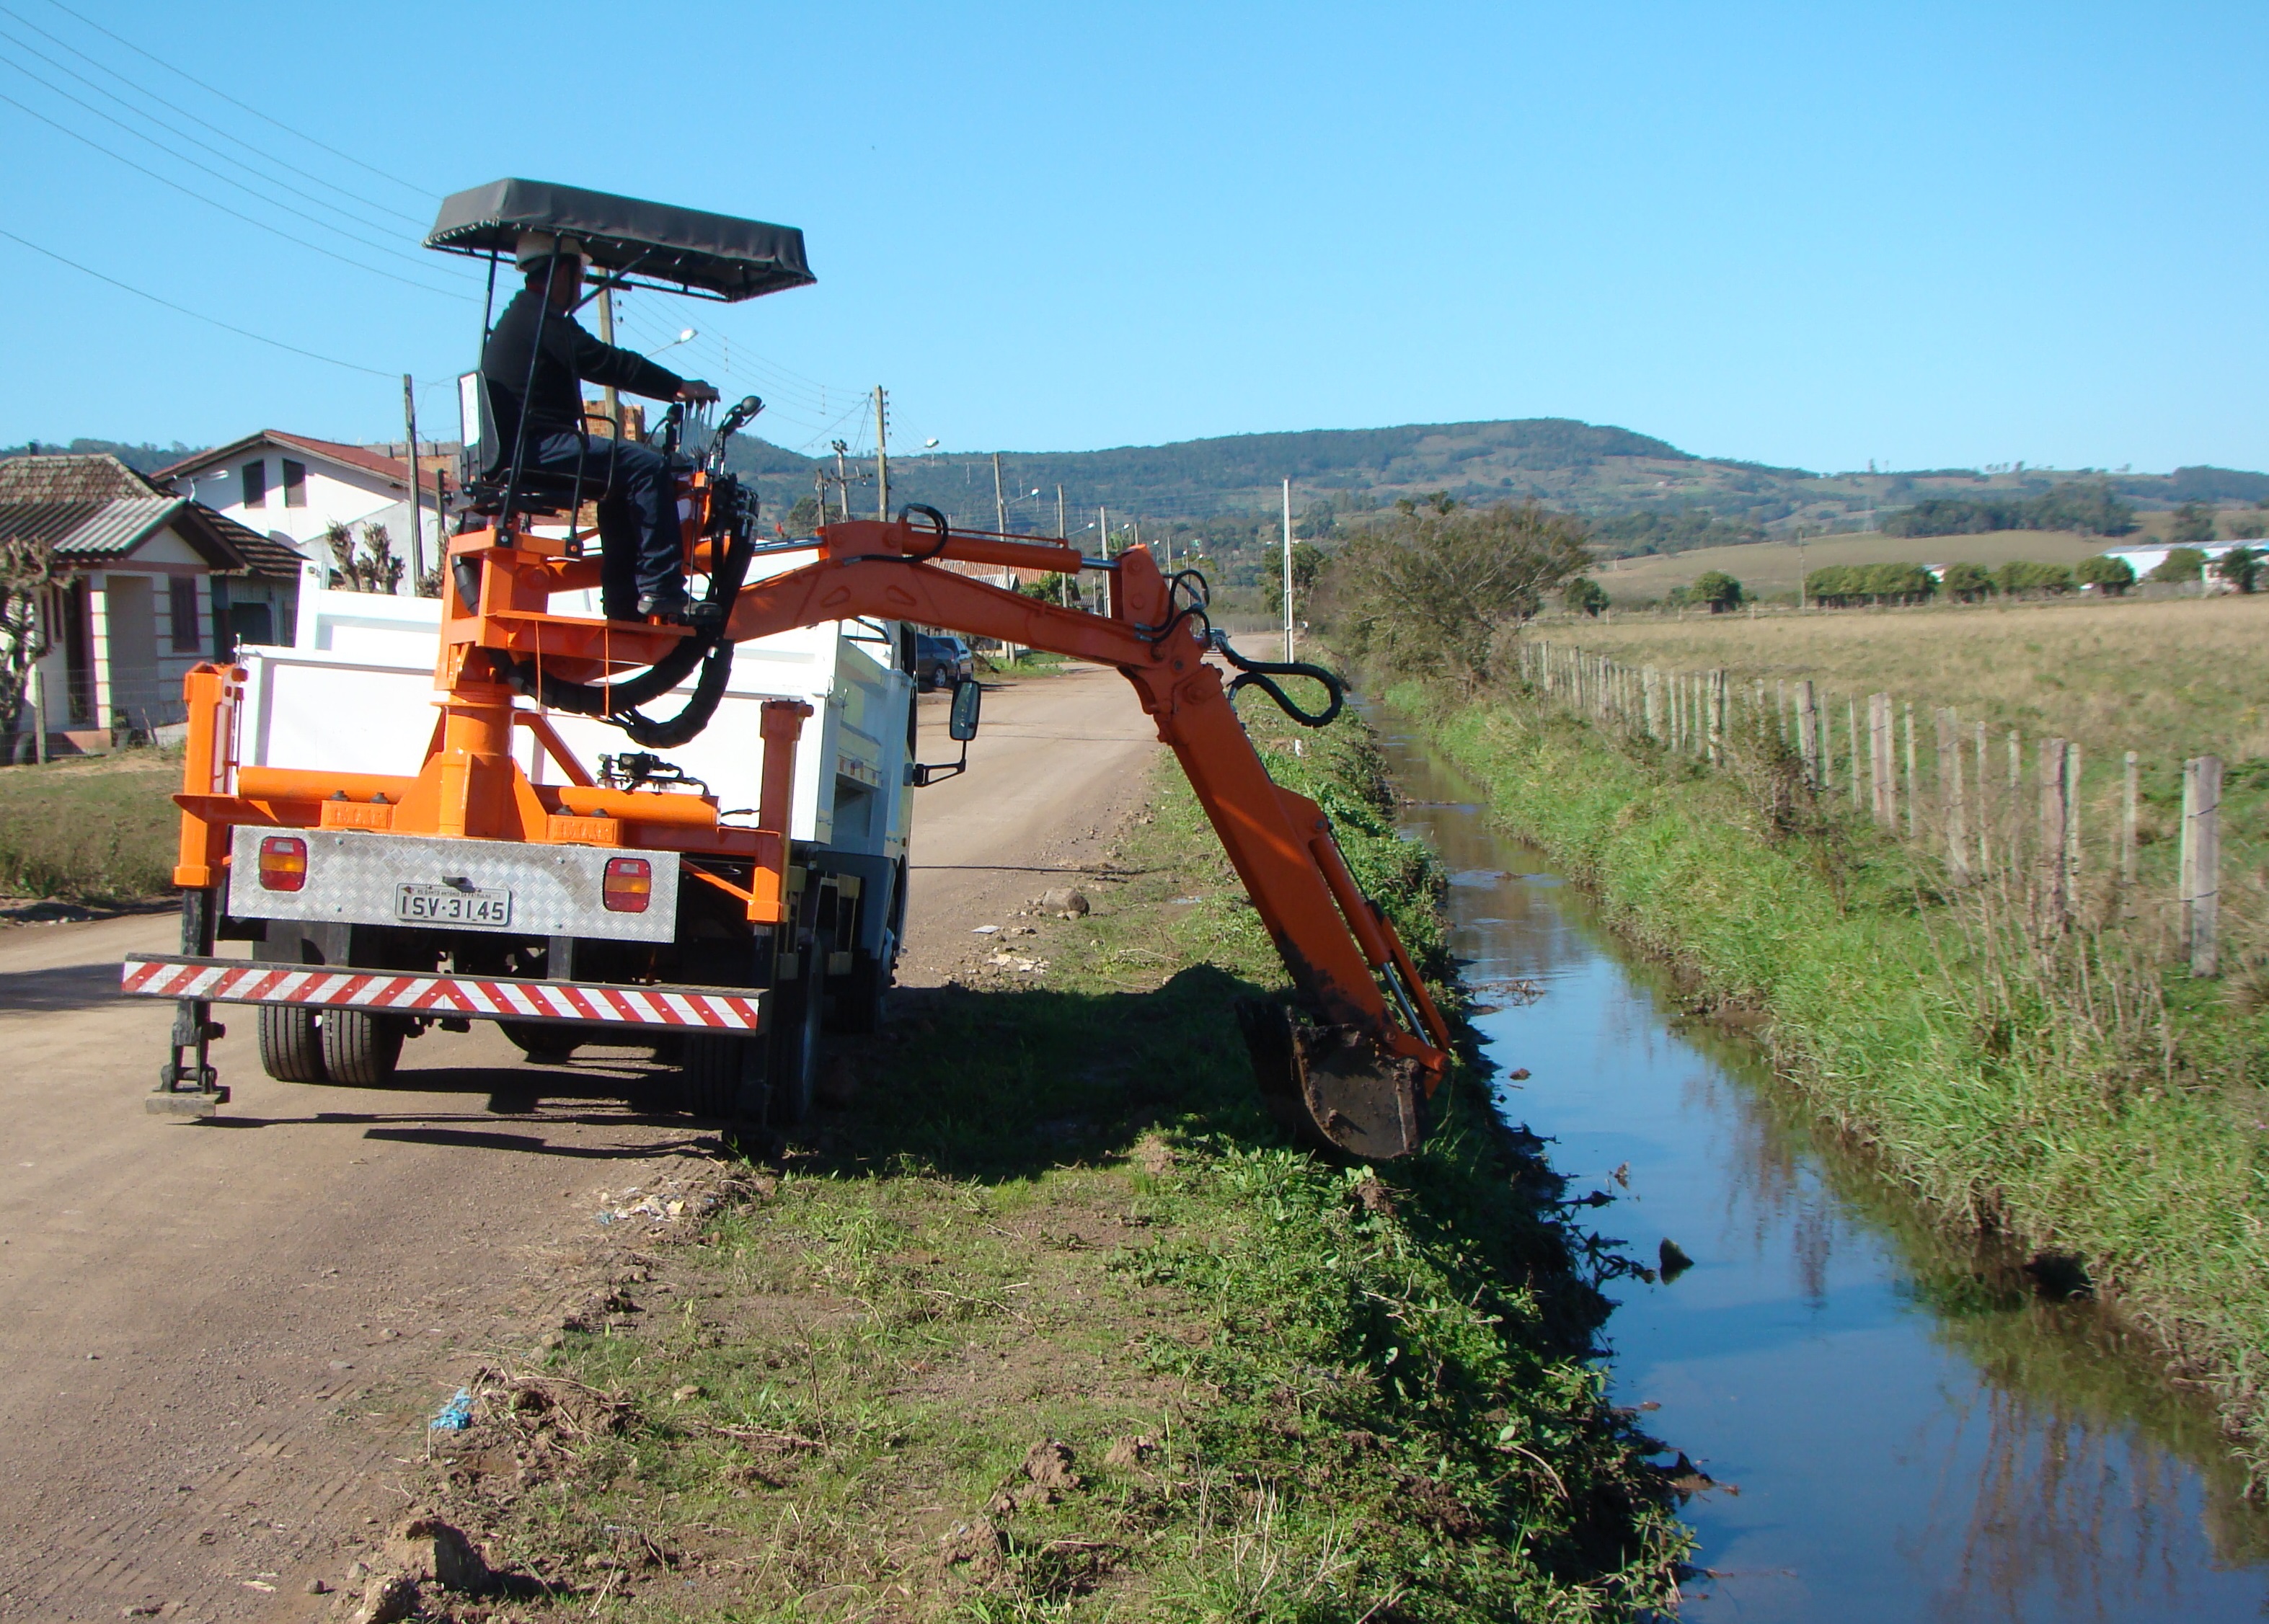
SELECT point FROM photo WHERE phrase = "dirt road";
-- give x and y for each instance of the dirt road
(222, 1337)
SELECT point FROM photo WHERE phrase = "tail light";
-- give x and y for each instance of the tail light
(283, 863)
(629, 885)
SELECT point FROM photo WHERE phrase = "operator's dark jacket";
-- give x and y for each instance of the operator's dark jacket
(569, 355)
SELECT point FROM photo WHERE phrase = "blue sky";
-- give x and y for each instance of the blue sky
(1922, 234)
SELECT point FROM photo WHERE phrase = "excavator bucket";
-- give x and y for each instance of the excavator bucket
(1333, 1087)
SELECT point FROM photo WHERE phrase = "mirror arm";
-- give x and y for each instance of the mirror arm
(924, 775)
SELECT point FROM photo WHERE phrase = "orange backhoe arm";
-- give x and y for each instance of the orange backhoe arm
(1353, 1065)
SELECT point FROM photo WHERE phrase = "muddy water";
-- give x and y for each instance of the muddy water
(1905, 1429)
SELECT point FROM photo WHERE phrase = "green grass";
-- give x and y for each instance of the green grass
(1056, 1212)
(100, 830)
(2138, 1139)
(1772, 569)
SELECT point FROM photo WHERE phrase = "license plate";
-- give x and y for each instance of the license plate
(445, 905)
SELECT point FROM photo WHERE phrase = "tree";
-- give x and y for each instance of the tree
(364, 565)
(1307, 564)
(1967, 583)
(2107, 575)
(2241, 567)
(1898, 583)
(1585, 595)
(2181, 563)
(1720, 590)
(2193, 522)
(803, 518)
(28, 573)
(1052, 589)
(1431, 590)
(2249, 527)
(2019, 576)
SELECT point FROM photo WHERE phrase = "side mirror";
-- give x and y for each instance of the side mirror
(961, 721)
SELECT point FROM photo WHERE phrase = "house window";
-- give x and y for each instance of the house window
(182, 602)
(255, 484)
(295, 484)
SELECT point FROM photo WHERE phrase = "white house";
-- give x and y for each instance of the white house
(293, 488)
(153, 584)
(2145, 559)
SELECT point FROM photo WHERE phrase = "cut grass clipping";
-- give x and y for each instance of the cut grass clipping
(2074, 1098)
(1048, 1321)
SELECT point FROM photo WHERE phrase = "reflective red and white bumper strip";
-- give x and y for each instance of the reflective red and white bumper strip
(480, 998)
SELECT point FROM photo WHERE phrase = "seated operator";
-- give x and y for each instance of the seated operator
(643, 572)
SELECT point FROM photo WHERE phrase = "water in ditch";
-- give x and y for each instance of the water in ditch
(1904, 1428)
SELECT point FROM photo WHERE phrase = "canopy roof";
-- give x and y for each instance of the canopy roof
(643, 244)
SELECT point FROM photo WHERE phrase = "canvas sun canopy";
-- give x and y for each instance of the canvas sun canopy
(646, 244)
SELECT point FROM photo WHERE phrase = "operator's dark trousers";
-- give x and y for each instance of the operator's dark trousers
(637, 515)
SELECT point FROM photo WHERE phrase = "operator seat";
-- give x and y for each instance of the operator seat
(486, 475)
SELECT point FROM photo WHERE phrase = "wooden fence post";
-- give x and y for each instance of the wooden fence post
(2131, 784)
(1908, 724)
(1950, 798)
(1884, 804)
(1852, 736)
(2055, 905)
(1985, 821)
(1650, 684)
(1808, 734)
(2202, 861)
(1715, 708)
(2072, 766)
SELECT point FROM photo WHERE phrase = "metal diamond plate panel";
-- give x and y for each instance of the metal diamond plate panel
(357, 877)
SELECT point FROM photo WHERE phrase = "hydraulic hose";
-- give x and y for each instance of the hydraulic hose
(616, 703)
(1258, 673)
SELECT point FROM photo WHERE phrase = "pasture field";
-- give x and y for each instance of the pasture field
(2168, 678)
(1770, 569)
(96, 831)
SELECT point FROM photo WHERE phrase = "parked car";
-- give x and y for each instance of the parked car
(942, 661)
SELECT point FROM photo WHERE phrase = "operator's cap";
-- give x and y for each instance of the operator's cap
(535, 248)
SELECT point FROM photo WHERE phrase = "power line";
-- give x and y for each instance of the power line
(224, 208)
(199, 315)
(207, 168)
(422, 191)
(102, 66)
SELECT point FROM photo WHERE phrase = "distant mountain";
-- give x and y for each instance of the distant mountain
(141, 458)
(1650, 495)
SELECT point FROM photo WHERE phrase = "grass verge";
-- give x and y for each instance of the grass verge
(100, 830)
(1044, 1320)
(2089, 1105)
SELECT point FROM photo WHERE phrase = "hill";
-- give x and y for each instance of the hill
(1771, 568)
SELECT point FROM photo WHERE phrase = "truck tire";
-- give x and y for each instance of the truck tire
(360, 1049)
(799, 1019)
(722, 1078)
(290, 1044)
(541, 1044)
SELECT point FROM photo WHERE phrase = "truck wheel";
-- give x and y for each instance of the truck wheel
(540, 1044)
(799, 1018)
(360, 1049)
(290, 1044)
(723, 1077)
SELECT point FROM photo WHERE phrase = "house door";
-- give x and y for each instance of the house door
(78, 657)
(131, 649)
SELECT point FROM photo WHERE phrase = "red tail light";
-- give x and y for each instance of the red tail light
(283, 863)
(628, 884)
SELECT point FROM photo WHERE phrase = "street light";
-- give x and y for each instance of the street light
(685, 337)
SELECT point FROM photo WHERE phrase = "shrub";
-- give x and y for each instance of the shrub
(1967, 583)
(2021, 575)
(2193, 522)
(2107, 574)
(2180, 564)
(1585, 595)
(1720, 590)
(2240, 566)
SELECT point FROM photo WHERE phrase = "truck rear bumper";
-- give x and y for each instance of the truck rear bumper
(478, 998)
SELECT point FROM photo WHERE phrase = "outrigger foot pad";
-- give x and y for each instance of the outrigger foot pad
(185, 1102)
(1331, 1086)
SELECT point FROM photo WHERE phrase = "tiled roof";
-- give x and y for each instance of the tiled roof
(117, 527)
(96, 477)
(264, 553)
(353, 456)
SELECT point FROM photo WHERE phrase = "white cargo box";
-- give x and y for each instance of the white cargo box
(355, 694)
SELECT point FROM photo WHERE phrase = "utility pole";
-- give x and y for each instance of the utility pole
(612, 395)
(999, 508)
(1059, 513)
(882, 455)
(1102, 547)
(416, 524)
(1063, 582)
(842, 480)
(1288, 570)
